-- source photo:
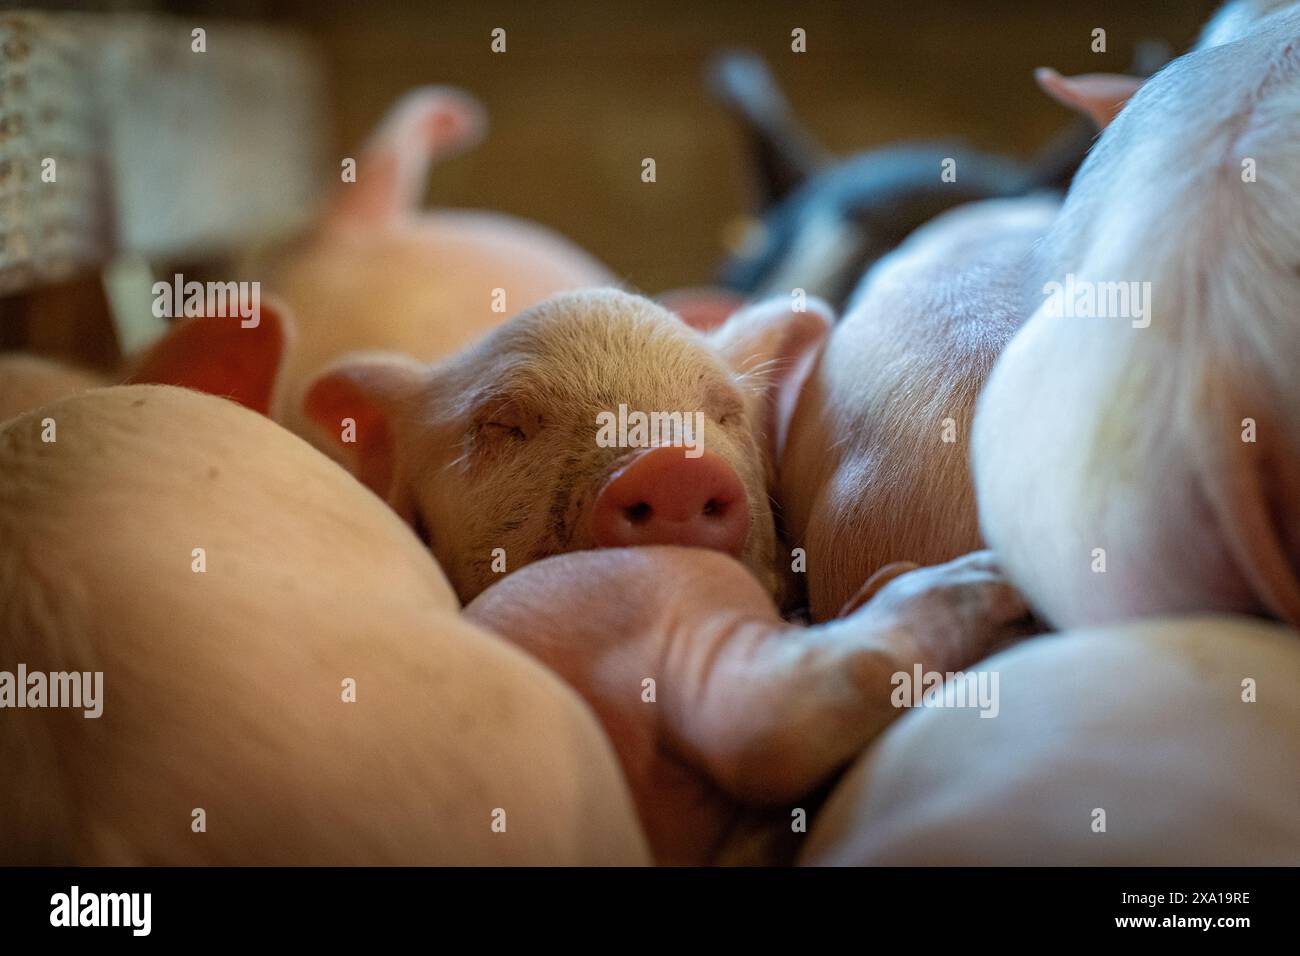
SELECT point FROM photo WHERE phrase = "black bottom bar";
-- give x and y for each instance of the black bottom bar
(445, 905)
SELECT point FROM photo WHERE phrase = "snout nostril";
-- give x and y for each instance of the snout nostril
(660, 497)
(638, 513)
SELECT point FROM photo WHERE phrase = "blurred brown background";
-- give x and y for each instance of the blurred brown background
(586, 90)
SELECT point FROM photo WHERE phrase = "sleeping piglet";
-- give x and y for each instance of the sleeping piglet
(527, 443)
(1137, 449)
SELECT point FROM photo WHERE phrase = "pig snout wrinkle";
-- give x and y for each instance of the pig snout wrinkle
(663, 497)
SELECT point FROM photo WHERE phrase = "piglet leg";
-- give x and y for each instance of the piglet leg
(773, 711)
(687, 663)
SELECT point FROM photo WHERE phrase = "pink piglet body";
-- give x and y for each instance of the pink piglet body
(875, 466)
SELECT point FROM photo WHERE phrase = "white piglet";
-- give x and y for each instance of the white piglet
(1137, 447)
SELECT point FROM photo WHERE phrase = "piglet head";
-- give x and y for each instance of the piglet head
(596, 418)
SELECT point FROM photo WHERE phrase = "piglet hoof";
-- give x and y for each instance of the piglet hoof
(950, 615)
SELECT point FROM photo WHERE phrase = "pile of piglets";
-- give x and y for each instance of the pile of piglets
(407, 606)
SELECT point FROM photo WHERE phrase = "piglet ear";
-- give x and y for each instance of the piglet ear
(356, 403)
(1099, 96)
(222, 355)
(773, 345)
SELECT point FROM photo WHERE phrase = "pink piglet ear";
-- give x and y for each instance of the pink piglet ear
(356, 403)
(222, 355)
(774, 343)
(1099, 96)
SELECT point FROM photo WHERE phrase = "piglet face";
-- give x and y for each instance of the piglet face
(594, 419)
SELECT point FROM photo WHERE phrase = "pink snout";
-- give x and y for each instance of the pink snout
(663, 497)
